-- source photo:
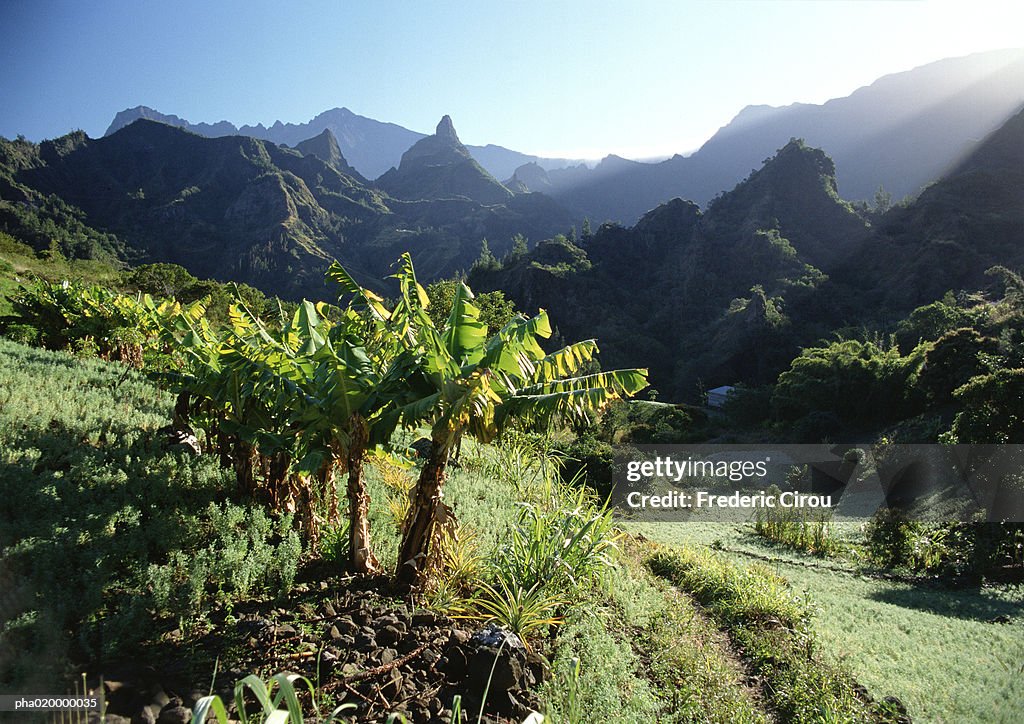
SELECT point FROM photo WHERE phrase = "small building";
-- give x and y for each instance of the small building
(718, 396)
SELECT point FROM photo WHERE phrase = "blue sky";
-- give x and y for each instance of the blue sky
(579, 79)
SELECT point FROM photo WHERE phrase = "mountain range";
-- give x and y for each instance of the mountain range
(899, 133)
(244, 209)
(716, 295)
(731, 294)
(371, 146)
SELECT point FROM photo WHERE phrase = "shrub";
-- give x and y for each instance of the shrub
(22, 334)
(890, 536)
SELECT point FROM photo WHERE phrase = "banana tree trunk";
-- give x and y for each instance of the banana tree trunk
(360, 553)
(419, 523)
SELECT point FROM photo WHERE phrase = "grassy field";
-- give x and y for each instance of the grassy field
(938, 650)
(108, 539)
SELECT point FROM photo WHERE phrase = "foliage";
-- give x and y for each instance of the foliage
(798, 528)
(240, 558)
(932, 321)
(992, 409)
(68, 313)
(952, 360)
(463, 383)
(860, 382)
(523, 611)
(268, 702)
(560, 548)
(963, 550)
(103, 522)
(895, 636)
(51, 225)
(495, 310)
(889, 537)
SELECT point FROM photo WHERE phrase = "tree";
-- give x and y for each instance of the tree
(586, 234)
(860, 382)
(486, 261)
(520, 249)
(464, 382)
(883, 200)
(993, 409)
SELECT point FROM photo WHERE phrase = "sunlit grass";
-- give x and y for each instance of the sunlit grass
(935, 649)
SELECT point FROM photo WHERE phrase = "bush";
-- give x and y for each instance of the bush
(22, 334)
(242, 551)
(890, 537)
(593, 459)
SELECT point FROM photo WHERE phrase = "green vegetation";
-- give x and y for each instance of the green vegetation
(131, 517)
(772, 625)
(797, 528)
(894, 636)
(105, 527)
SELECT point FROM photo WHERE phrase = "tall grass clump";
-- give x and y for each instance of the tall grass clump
(799, 529)
(559, 543)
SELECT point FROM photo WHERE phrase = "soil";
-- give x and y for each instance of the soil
(357, 639)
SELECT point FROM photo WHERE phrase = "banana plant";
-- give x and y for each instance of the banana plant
(459, 381)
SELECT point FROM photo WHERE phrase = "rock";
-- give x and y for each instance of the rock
(458, 637)
(422, 447)
(174, 713)
(892, 705)
(334, 633)
(387, 656)
(144, 716)
(346, 626)
(393, 687)
(285, 629)
(329, 611)
(456, 664)
(364, 641)
(389, 635)
(539, 666)
(406, 645)
(424, 618)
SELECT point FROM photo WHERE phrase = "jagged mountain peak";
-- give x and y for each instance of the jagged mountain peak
(446, 130)
(325, 147)
(439, 167)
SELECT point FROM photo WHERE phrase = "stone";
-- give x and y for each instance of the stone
(424, 618)
(174, 713)
(346, 626)
(458, 637)
(388, 635)
(365, 641)
(329, 611)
